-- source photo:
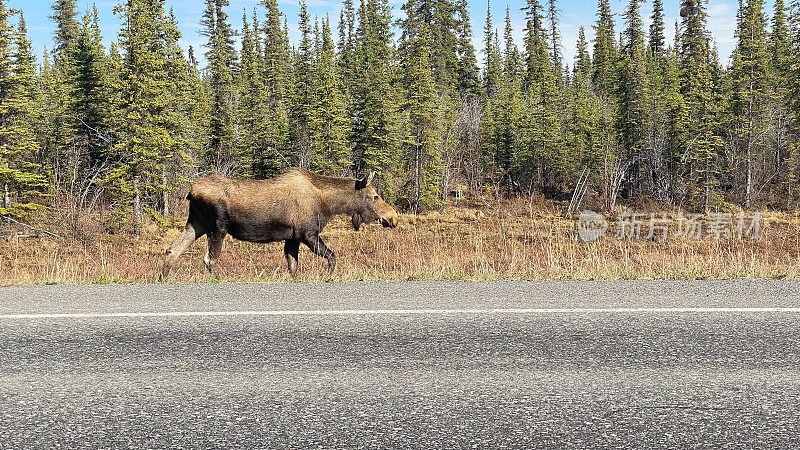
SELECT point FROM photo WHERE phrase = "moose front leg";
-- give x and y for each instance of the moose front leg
(291, 249)
(215, 241)
(190, 234)
(314, 242)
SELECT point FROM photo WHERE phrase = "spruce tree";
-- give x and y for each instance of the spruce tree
(329, 123)
(274, 154)
(347, 27)
(540, 159)
(512, 64)
(793, 96)
(750, 74)
(780, 41)
(222, 59)
(444, 42)
(21, 180)
(780, 47)
(491, 66)
(537, 62)
(66, 162)
(666, 113)
(302, 92)
(657, 41)
(555, 38)
(440, 18)
(503, 117)
(794, 58)
(90, 102)
(65, 17)
(604, 56)
(317, 32)
(375, 131)
(633, 96)
(146, 148)
(467, 82)
(46, 93)
(583, 62)
(697, 87)
(421, 151)
(676, 41)
(583, 135)
(178, 161)
(250, 88)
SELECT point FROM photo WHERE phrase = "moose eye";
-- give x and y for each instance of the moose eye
(375, 198)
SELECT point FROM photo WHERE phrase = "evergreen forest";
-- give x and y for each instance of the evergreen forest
(124, 128)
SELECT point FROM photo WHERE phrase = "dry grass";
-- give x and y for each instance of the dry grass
(515, 240)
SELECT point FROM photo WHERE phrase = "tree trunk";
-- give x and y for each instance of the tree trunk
(137, 206)
(749, 143)
(417, 180)
(749, 186)
(165, 192)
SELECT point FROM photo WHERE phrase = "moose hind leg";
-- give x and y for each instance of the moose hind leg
(215, 241)
(314, 242)
(184, 241)
(291, 249)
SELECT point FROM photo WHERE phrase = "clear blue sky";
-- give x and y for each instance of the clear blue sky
(573, 14)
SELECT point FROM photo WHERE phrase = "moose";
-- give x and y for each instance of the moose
(293, 207)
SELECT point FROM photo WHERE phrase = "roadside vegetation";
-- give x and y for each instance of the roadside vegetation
(509, 239)
(98, 142)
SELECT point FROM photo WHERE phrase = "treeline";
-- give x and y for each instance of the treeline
(633, 116)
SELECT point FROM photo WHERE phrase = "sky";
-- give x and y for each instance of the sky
(721, 22)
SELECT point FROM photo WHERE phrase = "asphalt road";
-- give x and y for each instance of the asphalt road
(653, 364)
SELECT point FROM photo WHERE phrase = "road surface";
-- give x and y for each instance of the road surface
(666, 364)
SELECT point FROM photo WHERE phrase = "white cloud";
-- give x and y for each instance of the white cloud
(722, 21)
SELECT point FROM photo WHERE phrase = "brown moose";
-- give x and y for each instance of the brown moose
(293, 207)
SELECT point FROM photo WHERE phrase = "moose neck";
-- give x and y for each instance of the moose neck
(341, 199)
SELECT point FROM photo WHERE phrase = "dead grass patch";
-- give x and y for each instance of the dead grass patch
(514, 240)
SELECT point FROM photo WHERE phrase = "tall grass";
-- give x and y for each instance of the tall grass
(513, 241)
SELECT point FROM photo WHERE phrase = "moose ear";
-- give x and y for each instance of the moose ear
(364, 182)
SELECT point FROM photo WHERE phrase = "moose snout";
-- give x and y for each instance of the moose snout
(390, 221)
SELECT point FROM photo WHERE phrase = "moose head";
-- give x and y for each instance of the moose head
(370, 206)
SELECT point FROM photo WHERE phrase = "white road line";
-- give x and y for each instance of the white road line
(395, 312)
